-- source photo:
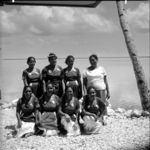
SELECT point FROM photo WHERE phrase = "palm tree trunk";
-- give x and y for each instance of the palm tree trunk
(0, 71)
(138, 70)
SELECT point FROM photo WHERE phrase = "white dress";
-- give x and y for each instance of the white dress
(95, 78)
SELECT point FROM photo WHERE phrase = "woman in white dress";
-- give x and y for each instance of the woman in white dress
(96, 76)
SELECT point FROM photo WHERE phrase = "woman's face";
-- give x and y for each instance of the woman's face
(69, 93)
(50, 89)
(53, 60)
(93, 61)
(92, 94)
(28, 92)
(31, 63)
(70, 61)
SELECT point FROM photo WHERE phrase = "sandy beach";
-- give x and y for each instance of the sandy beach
(120, 133)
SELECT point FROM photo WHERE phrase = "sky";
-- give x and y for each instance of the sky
(38, 30)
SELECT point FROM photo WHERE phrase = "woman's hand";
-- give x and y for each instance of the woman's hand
(108, 95)
(95, 117)
(74, 117)
(67, 116)
(19, 124)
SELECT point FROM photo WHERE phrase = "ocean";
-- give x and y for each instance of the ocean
(121, 78)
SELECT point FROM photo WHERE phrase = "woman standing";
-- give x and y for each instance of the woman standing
(72, 77)
(96, 76)
(69, 111)
(49, 104)
(52, 73)
(31, 76)
(93, 109)
(27, 112)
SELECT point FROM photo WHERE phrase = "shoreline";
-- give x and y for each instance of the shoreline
(7, 104)
(123, 131)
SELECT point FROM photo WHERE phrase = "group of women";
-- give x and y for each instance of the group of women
(53, 102)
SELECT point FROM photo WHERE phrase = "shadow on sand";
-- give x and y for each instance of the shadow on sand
(13, 131)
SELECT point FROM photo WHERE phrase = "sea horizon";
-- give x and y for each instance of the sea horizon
(121, 78)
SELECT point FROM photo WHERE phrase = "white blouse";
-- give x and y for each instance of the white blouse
(95, 78)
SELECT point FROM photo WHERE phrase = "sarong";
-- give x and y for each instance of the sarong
(26, 127)
(48, 123)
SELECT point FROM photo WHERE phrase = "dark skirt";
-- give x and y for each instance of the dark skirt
(58, 88)
(101, 94)
(37, 89)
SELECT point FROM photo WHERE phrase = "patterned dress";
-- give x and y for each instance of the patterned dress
(72, 78)
(49, 109)
(54, 76)
(96, 107)
(27, 109)
(71, 108)
(33, 79)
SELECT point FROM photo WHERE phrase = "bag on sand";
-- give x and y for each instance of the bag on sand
(90, 125)
(70, 126)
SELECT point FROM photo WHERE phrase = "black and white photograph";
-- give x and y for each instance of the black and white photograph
(74, 75)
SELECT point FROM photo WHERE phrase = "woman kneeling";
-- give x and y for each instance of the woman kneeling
(49, 104)
(93, 109)
(69, 112)
(27, 113)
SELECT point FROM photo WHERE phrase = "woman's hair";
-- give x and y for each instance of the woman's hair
(52, 55)
(69, 57)
(93, 55)
(24, 90)
(89, 88)
(29, 59)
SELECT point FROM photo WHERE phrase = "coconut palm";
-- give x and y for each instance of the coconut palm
(138, 70)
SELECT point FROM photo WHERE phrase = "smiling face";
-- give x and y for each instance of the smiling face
(28, 92)
(69, 93)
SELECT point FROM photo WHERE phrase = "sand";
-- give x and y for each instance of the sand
(120, 133)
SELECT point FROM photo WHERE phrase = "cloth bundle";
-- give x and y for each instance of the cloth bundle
(70, 126)
(90, 125)
(26, 127)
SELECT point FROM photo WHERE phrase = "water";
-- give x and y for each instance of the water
(121, 78)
